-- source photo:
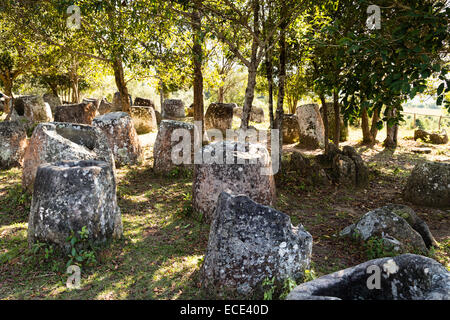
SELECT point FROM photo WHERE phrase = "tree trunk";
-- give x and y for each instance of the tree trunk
(197, 56)
(374, 128)
(252, 68)
(281, 89)
(325, 121)
(269, 77)
(121, 84)
(221, 95)
(367, 135)
(391, 131)
(8, 84)
(337, 118)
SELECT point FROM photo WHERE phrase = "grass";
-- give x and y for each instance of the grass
(164, 242)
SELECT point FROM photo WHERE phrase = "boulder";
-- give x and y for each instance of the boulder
(122, 137)
(70, 195)
(33, 108)
(429, 185)
(13, 141)
(219, 116)
(162, 151)
(291, 131)
(312, 131)
(396, 222)
(404, 277)
(82, 113)
(431, 137)
(141, 102)
(236, 168)
(144, 119)
(52, 100)
(256, 114)
(104, 107)
(343, 135)
(345, 167)
(117, 102)
(53, 142)
(296, 166)
(172, 109)
(248, 243)
(94, 101)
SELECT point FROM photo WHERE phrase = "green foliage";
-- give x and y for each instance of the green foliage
(269, 285)
(186, 209)
(81, 251)
(274, 289)
(377, 248)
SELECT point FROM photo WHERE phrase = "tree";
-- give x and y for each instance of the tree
(239, 23)
(18, 53)
(394, 62)
(108, 31)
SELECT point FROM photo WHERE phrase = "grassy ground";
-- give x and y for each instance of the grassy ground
(164, 244)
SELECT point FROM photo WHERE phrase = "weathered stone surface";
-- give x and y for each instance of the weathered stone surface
(52, 142)
(404, 277)
(122, 137)
(219, 116)
(162, 151)
(343, 135)
(311, 127)
(248, 243)
(393, 221)
(431, 137)
(104, 107)
(13, 141)
(144, 119)
(142, 102)
(94, 101)
(256, 114)
(33, 108)
(307, 170)
(236, 168)
(345, 167)
(117, 102)
(172, 109)
(70, 195)
(52, 100)
(291, 131)
(429, 185)
(82, 113)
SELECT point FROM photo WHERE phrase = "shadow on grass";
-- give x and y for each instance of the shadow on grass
(158, 258)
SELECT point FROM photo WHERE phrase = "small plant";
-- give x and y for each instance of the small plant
(271, 285)
(187, 209)
(268, 293)
(310, 275)
(78, 254)
(288, 286)
(377, 248)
